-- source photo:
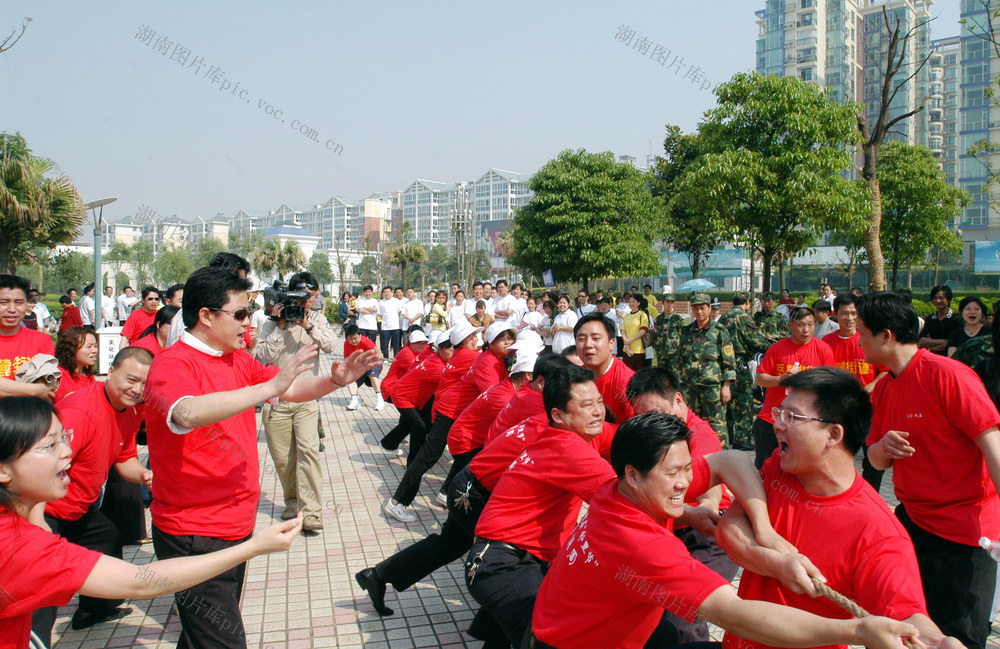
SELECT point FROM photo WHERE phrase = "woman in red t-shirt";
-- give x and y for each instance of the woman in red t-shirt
(154, 338)
(40, 569)
(76, 351)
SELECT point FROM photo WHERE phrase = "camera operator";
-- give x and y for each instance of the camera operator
(292, 428)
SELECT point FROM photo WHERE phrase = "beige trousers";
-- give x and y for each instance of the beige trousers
(292, 433)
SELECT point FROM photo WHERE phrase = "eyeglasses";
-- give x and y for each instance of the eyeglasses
(65, 438)
(239, 315)
(790, 418)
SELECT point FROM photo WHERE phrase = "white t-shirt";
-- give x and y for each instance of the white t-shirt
(520, 306)
(86, 306)
(411, 308)
(258, 319)
(546, 323)
(108, 307)
(531, 320)
(505, 303)
(389, 310)
(457, 315)
(585, 309)
(613, 317)
(41, 312)
(564, 339)
(125, 304)
(367, 320)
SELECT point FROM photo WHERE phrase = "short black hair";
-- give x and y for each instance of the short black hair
(740, 299)
(501, 281)
(141, 355)
(558, 384)
(475, 284)
(839, 397)
(649, 286)
(652, 380)
(905, 292)
(844, 300)
(799, 313)
(63, 299)
(351, 330)
(229, 261)
(569, 350)
(886, 311)
(209, 288)
(857, 291)
(819, 305)
(643, 440)
(414, 327)
(87, 289)
(368, 287)
(604, 300)
(151, 289)
(170, 292)
(15, 281)
(940, 288)
(595, 316)
(516, 285)
(970, 299)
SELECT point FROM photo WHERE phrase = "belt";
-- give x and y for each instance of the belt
(535, 643)
(498, 544)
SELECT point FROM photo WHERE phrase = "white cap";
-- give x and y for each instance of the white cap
(528, 340)
(437, 337)
(417, 337)
(525, 361)
(495, 329)
(462, 330)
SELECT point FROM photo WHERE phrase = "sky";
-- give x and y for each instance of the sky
(388, 91)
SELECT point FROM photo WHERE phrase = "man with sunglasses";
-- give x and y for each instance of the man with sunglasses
(840, 527)
(292, 429)
(800, 351)
(141, 318)
(200, 398)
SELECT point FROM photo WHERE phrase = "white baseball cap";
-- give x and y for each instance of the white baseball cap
(528, 340)
(461, 331)
(495, 329)
(525, 361)
(416, 337)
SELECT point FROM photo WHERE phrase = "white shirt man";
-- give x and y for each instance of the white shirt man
(388, 308)
(503, 304)
(125, 302)
(457, 313)
(411, 311)
(367, 311)
(108, 307)
(87, 309)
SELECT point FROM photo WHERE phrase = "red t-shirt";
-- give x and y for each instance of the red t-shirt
(419, 384)
(630, 568)
(454, 371)
(704, 441)
(469, 430)
(537, 501)
(148, 342)
(102, 438)
(137, 322)
(37, 569)
(487, 371)
(20, 348)
(612, 386)
(499, 452)
(944, 485)
(855, 541)
(70, 384)
(781, 357)
(848, 356)
(364, 345)
(207, 480)
(70, 318)
(400, 364)
(525, 403)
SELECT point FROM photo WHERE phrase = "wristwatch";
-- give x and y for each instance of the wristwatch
(309, 330)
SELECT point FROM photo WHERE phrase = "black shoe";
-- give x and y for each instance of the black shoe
(321, 447)
(370, 581)
(83, 620)
(387, 445)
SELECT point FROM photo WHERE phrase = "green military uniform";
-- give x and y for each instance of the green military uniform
(974, 351)
(706, 362)
(773, 325)
(747, 341)
(668, 335)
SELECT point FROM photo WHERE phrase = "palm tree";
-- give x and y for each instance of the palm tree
(264, 258)
(35, 209)
(274, 256)
(405, 251)
(290, 258)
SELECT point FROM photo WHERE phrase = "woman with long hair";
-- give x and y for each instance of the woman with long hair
(974, 314)
(154, 338)
(40, 569)
(76, 351)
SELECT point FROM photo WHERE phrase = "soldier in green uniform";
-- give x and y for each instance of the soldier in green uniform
(770, 321)
(705, 357)
(747, 341)
(668, 334)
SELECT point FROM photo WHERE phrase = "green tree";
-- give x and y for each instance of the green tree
(319, 266)
(693, 231)
(917, 203)
(141, 256)
(437, 263)
(205, 249)
(367, 271)
(36, 209)
(775, 152)
(291, 259)
(68, 268)
(590, 217)
(246, 246)
(405, 251)
(117, 256)
(172, 266)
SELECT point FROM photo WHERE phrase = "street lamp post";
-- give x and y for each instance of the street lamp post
(97, 214)
(461, 225)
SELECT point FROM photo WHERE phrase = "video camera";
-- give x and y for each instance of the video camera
(293, 309)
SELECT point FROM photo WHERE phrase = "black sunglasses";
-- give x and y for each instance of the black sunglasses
(239, 315)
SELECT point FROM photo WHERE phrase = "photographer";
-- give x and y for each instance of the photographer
(291, 428)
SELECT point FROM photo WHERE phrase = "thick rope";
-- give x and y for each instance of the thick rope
(847, 604)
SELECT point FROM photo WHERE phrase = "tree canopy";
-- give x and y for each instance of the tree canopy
(590, 217)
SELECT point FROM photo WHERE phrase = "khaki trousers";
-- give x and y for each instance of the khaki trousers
(292, 433)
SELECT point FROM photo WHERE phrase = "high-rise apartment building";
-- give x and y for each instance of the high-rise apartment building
(979, 119)
(942, 104)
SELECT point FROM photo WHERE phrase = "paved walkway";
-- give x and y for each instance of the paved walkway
(308, 597)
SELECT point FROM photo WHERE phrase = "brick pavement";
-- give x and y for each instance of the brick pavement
(308, 597)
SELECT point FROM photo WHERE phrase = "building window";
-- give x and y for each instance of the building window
(806, 74)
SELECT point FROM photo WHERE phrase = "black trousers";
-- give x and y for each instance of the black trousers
(707, 551)
(122, 504)
(411, 564)
(764, 441)
(506, 584)
(429, 454)
(93, 531)
(958, 580)
(458, 463)
(209, 612)
(390, 338)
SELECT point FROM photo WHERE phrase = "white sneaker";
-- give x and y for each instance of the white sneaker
(442, 499)
(400, 512)
(355, 403)
(379, 403)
